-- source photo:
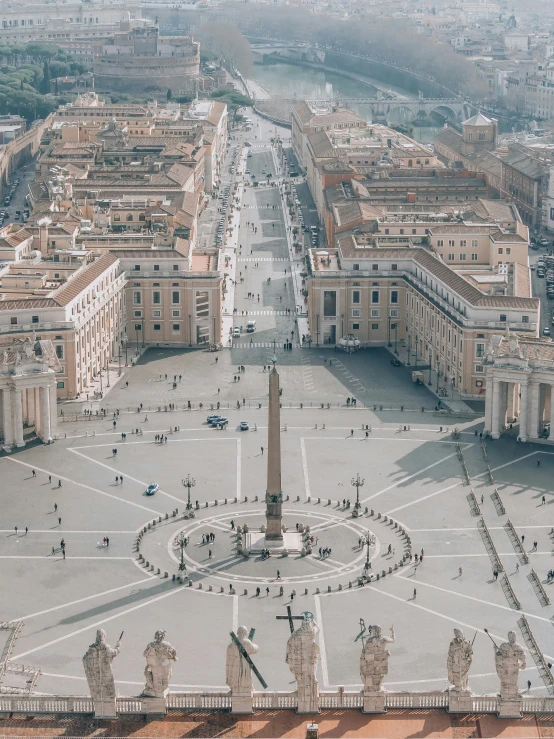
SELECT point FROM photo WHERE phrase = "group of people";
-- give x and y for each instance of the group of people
(324, 552)
(160, 439)
(208, 538)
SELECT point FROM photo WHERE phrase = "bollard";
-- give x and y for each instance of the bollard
(246, 498)
(245, 591)
(350, 584)
(390, 570)
(378, 515)
(166, 516)
(385, 518)
(372, 512)
(317, 591)
(222, 589)
(255, 499)
(206, 504)
(235, 499)
(147, 563)
(329, 501)
(225, 501)
(199, 586)
(297, 498)
(159, 519)
(216, 502)
(288, 497)
(151, 568)
(154, 522)
(166, 574)
(174, 578)
(305, 591)
(319, 500)
(366, 509)
(210, 588)
(328, 588)
(383, 573)
(233, 591)
(340, 586)
(190, 583)
(158, 571)
(309, 498)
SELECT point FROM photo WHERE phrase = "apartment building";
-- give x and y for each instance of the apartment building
(383, 289)
(307, 120)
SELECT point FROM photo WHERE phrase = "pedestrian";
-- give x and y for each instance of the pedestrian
(517, 566)
(262, 450)
(459, 571)
(230, 587)
(535, 546)
(104, 541)
(53, 550)
(63, 552)
(116, 479)
(528, 685)
(59, 521)
(209, 553)
(267, 592)
(278, 574)
(218, 391)
(543, 499)
(538, 463)
(26, 529)
(232, 525)
(49, 478)
(292, 596)
(257, 592)
(351, 432)
(34, 474)
(121, 479)
(15, 530)
(55, 507)
(107, 541)
(522, 538)
(415, 594)
(59, 483)
(482, 499)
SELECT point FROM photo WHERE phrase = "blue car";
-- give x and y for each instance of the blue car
(152, 488)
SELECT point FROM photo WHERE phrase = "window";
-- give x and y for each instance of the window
(34, 319)
(175, 313)
(13, 320)
(137, 298)
(156, 268)
(479, 368)
(480, 336)
(508, 250)
(394, 296)
(474, 257)
(136, 268)
(463, 257)
(329, 303)
(60, 385)
(450, 242)
(375, 267)
(401, 231)
(175, 297)
(142, 217)
(355, 326)
(356, 296)
(375, 296)
(356, 266)
(501, 250)
(176, 327)
(129, 216)
(374, 326)
(463, 243)
(156, 297)
(440, 242)
(156, 313)
(375, 312)
(387, 231)
(59, 351)
(394, 267)
(525, 319)
(175, 267)
(414, 230)
(451, 257)
(503, 317)
(138, 314)
(474, 243)
(394, 313)
(479, 350)
(157, 327)
(356, 313)
(117, 217)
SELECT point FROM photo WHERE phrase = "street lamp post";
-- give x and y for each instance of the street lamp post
(181, 541)
(409, 349)
(430, 364)
(189, 483)
(438, 373)
(368, 541)
(107, 372)
(357, 483)
(119, 360)
(416, 343)
(389, 343)
(396, 338)
(100, 373)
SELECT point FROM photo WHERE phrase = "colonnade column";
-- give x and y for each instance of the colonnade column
(18, 416)
(495, 425)
(53, 410)
(45, 413)
(38, 419)
(523, 410)
(7, 417)
(534, 409)
(24, 404)
(30, 406)
(510, 408)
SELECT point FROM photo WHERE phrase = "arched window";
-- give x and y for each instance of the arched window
(410, 163)
(117, 217)
(142, 217)
(129, 216)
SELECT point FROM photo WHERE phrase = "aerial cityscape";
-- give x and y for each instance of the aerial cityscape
(276, 368)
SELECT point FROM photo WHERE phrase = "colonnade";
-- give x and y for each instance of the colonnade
(27, 404)
(527, 400)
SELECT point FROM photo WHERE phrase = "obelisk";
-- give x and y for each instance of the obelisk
(274, 494)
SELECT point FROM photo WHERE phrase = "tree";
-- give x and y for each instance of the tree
(228, 45)
(168, 94)
(45, 86)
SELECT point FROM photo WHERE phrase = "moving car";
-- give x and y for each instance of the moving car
(212, 416)
(244, 425)
(251, 326)
(152, 488)
(236, 331)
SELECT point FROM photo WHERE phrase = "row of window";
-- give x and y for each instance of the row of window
(175, 327)
(155, 267)
(158, 314)
(157, 297)
(462, 243)
(375, 296)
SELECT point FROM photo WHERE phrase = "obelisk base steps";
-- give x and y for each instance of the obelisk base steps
(291, 541)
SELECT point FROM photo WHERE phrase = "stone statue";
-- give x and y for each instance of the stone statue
(18, 357)
(238, 673)
(374, 660)
(509, 658)
(98, 670)
(28, 348)
(460, 655)
(302, 657)
(159, 655)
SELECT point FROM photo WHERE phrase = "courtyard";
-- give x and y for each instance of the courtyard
(413, 476)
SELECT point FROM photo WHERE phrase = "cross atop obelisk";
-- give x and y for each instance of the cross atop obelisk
(274, 494)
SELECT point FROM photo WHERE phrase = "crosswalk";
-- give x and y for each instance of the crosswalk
(266, 313)
(264, 259)
(258, 345)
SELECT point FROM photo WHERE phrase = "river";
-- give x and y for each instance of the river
(291, 81)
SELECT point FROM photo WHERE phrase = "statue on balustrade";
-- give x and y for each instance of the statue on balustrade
(460, 656)
(98, 668)
(374, 660)
(159, 656)
(509, 658)
(302, 657)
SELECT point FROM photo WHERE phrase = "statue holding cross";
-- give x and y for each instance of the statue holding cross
(239, 668)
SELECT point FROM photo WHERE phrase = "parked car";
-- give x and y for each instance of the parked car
(244, 426)
(152, 488)
(546, 331)
(236, 331)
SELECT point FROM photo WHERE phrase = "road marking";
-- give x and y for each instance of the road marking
(93, 626)
(49, 556)
(305, 469)
(87, 487)
(82, 600)
(322, 651)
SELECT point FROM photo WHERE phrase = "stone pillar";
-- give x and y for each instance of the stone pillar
(534, 409)
(31, 406)
(17, 417)
(495, 425)
(523, 411)
(7, 417)
(489, 401)
(53, 410)
(45, 414)
(38, 420)
(24, 404)
(510, 407)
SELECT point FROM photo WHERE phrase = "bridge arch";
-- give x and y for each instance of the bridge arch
(401, 107)
(445, 110)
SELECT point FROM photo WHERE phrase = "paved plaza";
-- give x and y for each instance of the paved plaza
(394, 438)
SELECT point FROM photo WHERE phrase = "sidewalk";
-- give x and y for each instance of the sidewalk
(296, 262)
(452, 399)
